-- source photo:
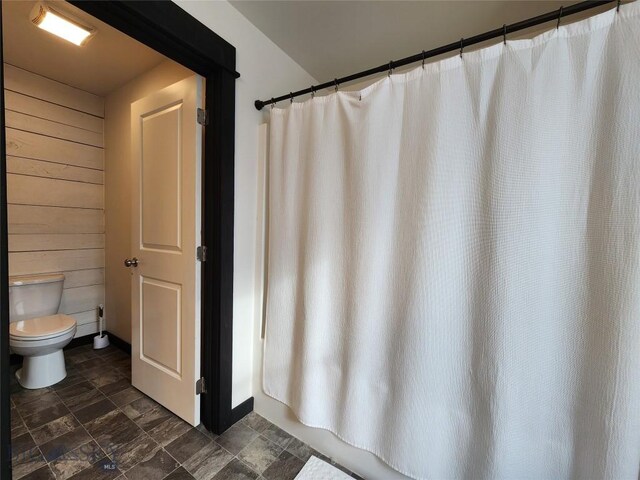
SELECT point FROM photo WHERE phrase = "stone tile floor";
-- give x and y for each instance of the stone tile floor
(95, 425)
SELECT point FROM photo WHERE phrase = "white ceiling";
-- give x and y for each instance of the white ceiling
(109, 60)
(331, 39)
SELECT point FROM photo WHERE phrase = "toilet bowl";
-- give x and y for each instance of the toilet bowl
(37, 331)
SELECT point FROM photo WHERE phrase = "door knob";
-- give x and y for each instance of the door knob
(131, 262)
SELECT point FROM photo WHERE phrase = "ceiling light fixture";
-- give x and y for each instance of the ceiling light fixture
(61, 25)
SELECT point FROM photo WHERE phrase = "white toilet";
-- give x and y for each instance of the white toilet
(37, 331)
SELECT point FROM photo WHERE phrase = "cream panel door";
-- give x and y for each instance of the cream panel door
(166, 152)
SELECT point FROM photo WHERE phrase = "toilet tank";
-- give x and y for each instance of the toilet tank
(33, 296)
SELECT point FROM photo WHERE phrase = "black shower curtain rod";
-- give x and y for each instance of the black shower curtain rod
(459, 45)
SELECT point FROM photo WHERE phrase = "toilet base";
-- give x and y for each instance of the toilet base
(42, 371)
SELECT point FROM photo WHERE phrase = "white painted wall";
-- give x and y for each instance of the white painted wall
(265, 71)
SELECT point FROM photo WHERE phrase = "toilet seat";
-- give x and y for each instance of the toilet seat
(42, 328)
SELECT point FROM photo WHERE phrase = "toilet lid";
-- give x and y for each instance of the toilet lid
(40, 328)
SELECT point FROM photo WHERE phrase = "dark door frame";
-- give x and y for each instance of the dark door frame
(166, 28)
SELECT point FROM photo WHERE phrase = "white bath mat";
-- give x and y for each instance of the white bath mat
(316, 469)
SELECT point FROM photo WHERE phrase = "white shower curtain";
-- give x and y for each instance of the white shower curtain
(454, 260)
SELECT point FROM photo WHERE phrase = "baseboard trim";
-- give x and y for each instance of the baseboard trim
(116, 341)
(242, 410)
(16, 359)
(79, 341)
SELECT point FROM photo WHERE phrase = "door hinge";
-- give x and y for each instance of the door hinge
(203, 116)
(200, 386)
(201, 253)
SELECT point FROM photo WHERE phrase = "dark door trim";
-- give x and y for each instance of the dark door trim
(169, 30)
(5, 407)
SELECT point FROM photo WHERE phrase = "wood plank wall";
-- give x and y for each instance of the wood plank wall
(55, 188)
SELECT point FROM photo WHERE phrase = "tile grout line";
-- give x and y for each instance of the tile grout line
(77, 367)
(23, 417)
(15, 408)
(29, 432)
(88, 374)
(50, 469)
(260, 435)
(211, 440)
(328, 460)
(250, 467)
(282, 449)
(119, 409)
(84, 428)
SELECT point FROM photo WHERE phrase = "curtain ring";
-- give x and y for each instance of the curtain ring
(390, 67)
(559, 17)
(504, 33)
(291, 97)
(423, 59)
(461, 46)
(313, 92)
(335, 81)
